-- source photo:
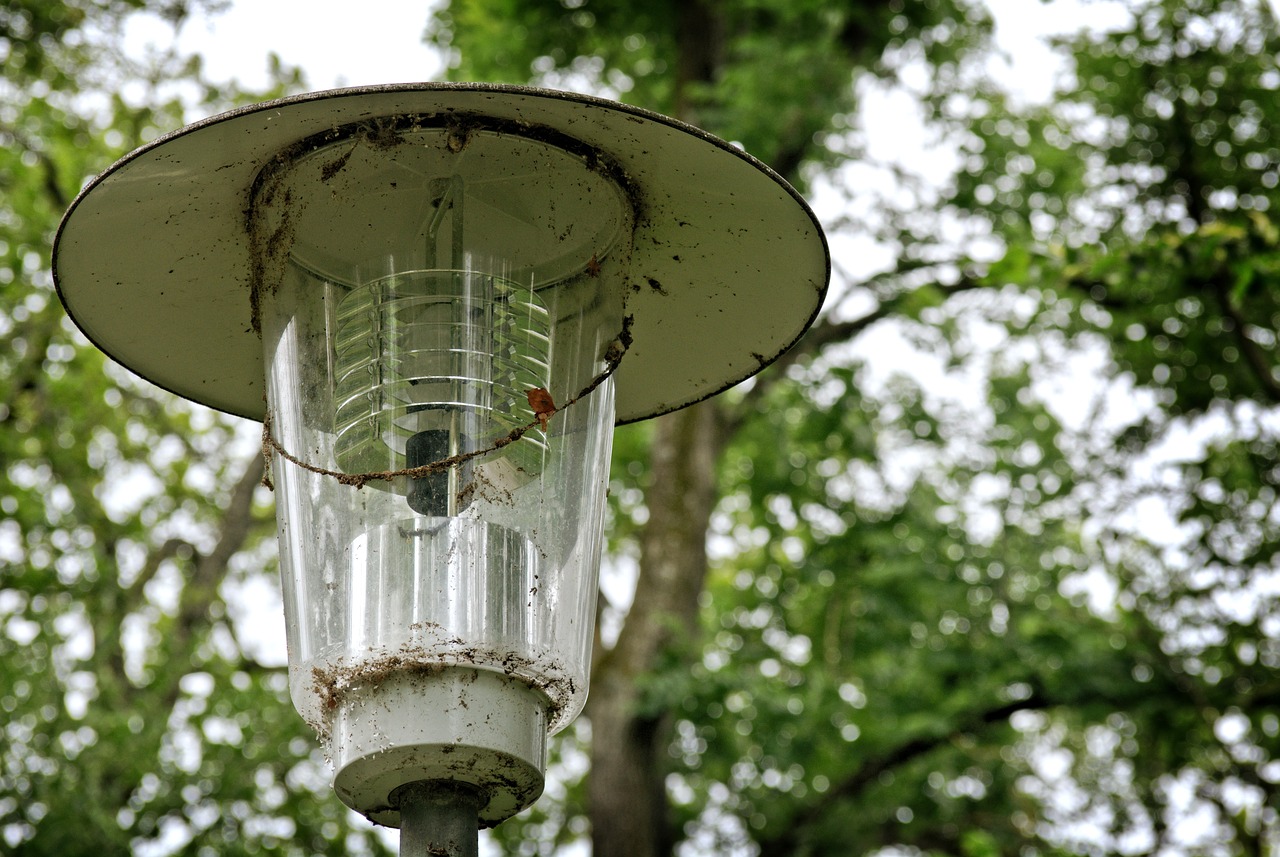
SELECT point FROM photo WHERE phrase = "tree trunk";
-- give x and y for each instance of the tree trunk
(626, 789)
(626, 795)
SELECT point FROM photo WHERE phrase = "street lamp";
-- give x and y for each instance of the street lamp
(439, 299)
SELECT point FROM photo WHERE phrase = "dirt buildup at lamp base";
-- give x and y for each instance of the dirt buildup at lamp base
(332, 683)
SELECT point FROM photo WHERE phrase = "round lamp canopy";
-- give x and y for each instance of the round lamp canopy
(156, 262)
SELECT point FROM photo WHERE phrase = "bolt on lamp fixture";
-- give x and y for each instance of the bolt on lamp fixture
(440, 299)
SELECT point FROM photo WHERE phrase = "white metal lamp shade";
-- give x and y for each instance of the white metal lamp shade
(471, 284)
(728, 268)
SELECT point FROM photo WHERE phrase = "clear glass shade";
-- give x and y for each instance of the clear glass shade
(432, 305)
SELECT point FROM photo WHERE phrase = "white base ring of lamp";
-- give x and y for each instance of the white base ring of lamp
(458, 724)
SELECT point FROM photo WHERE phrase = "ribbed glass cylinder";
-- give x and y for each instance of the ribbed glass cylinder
(437, 364)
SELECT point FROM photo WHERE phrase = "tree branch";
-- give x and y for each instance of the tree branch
(168, 550)
(788, 841)
(201, 590)
(108, 621)
(1256, 358)
(825, 333)
(58, 200)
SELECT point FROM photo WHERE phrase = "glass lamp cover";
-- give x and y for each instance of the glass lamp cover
(434, 303)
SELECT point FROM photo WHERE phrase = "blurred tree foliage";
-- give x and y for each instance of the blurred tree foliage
(987, 565)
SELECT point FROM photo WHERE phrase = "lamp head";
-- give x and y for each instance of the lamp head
(448, 294)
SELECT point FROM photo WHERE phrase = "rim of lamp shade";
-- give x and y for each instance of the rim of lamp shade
(729, 265)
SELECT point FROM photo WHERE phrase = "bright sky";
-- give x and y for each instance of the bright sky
(384, 44)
